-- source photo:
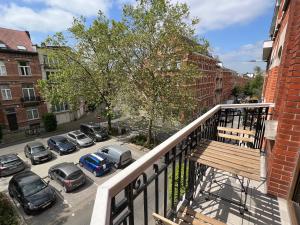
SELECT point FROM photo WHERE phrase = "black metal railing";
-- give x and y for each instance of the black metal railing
(31, 99)
(173, 177)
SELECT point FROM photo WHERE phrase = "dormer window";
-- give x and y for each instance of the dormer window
(2, 45)
(21, 47)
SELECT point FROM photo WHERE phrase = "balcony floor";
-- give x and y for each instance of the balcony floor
(262, 209)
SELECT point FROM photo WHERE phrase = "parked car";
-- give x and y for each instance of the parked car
(37, 152)
(10, 164)
(67, 175)
(31, 191)
(119, 155)
(80, 139)
(95, 163)
(94, 131)
(61, 145)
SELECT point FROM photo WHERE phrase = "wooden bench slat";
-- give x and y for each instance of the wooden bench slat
(234, 137)
(235, 130)
(227, 168)
(231, 146)
(190, 220)
(164, 220)
(230, 158)
(237, 151)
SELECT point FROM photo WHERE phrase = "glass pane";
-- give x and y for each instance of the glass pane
(35, 113)
(29, 114)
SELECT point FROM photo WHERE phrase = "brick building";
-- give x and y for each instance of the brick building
(282, 86)
(20, 103)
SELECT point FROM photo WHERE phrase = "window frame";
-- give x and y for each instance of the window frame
(5, 89)
(27, 89)
(24, 68)
(32, 114)
(3, 71)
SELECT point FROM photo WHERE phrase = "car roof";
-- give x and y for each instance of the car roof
(92, 124)
(58, 138)
(67, 167)
(76, 132)
(25, 177)
(117, 148)
(96, 156)
(8, 158)
(35, 144)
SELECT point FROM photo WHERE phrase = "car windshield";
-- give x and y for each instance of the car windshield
(11, 163)
(38, 149)
(33, 187)
(75, 175)
(81, 136)
(63, 141)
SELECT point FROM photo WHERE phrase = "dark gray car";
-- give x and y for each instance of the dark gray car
(10, 164)
(31, 191)
(37, 152)
(68, 175)
(94, 131)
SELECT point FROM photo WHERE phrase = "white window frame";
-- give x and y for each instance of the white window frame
(30, 111)
(63, 107)
(6, 93)
(27, 89)
(26, 69)
(2, 69)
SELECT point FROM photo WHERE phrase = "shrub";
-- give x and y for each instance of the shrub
(8, 214)
(50, 122)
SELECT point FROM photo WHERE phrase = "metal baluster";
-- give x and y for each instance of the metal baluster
(155, 167)
(166, 184)
(145, 199)
(129, 197)
(173, 178)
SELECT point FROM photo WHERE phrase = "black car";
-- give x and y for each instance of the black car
(10, 164)
(61, 145)
(37, 152)
(68, 175)
(31, 192)
(94, 131)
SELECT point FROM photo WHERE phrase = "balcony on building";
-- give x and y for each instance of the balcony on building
(267, 49)
(166, 179)
(30, 101)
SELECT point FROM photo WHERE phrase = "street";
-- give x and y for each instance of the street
(70, 208)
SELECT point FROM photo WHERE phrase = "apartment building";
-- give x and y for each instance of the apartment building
(20, 102)
(282, 86)
(48, 66)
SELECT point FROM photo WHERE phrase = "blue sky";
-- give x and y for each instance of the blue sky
(235, 29)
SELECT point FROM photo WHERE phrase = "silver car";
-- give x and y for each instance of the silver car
(120, 156)
(10, 164)
(37, 152)
(80, 139)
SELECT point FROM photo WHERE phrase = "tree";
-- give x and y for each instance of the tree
(236, 91)
(88, 65)
(159, 38)
(50, 122)
(253, 88)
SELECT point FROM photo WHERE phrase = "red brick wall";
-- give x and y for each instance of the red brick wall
(15, 81)
(270, 85)
(282, 157)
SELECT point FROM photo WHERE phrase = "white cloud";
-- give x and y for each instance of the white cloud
(239, 59)
(46, 20)
(218, 14)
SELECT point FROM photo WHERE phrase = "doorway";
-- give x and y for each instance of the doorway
(12, 121)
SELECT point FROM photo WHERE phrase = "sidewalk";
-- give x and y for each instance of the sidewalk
(20, 137)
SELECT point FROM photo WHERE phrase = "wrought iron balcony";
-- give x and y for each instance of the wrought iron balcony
(31, 100)
(165, 178)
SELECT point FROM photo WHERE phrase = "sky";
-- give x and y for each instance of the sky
(235, 29)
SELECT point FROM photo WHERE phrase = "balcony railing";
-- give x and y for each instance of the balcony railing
(164, 176)
(30, 100)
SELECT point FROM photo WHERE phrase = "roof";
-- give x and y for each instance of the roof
(118, 148)
(91, 124)
(13, 38)
(97, 156)
(67, 167)
(26, 177)
(8, 157)
(76, 132)
(34, 144)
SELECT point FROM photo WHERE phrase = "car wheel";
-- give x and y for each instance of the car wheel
(33, 162)
(116, 165)
(78, 146)
(95, 173)
(50, 176)
(27, 211)
(60, 153)
(80, 164)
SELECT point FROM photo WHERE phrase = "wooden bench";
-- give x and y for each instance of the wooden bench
(246, 136)
(187, 216)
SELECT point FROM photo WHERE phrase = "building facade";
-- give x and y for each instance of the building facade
(62, 110)
(282, 86)
(20, 103)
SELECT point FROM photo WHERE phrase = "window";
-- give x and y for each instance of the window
(32, 113)
(48, 74)
(24, 69)
(5, 92)
(2, 45)
(2, 69)
(61, 107)
(28, 91)
(21, 47)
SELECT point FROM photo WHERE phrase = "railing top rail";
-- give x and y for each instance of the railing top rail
(114, 185)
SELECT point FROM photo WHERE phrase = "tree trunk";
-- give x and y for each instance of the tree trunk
(149, 136)
(109, 121)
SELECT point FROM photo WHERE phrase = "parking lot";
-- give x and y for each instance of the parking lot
(70, 208)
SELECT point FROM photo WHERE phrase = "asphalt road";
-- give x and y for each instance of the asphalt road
(73, 208)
